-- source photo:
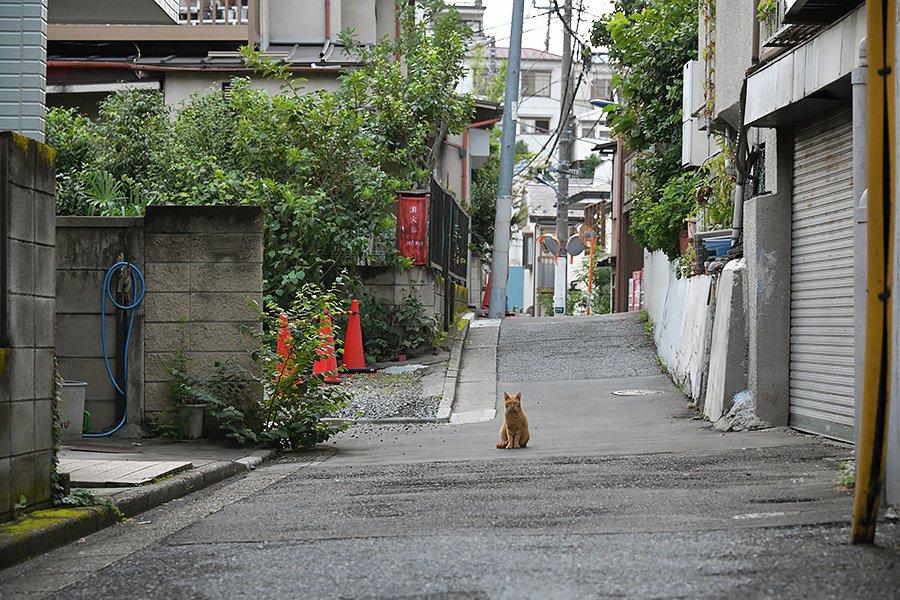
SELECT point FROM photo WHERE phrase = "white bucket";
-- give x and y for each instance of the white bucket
(72, 409)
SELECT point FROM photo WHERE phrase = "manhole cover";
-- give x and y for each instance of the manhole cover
(636, 392)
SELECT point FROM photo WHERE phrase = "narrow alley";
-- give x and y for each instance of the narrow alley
(622, 492)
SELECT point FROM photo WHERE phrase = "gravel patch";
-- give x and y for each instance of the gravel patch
(389, 394)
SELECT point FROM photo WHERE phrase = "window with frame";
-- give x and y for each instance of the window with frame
(534, 126)
(546, 272)
(536, 83)
(602, 89)
(527, 250)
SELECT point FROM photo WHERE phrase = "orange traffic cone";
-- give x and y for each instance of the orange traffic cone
(285, 347)
(284, 338)
(354, 357)
(326, 364)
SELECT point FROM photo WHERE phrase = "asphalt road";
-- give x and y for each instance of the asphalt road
(620, 494)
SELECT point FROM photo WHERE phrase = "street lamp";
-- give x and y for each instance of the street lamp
(603, 103)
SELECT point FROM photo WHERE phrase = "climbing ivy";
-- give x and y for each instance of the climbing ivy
(649, 42)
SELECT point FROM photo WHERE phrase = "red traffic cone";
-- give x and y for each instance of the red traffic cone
(326, 364)
(354, 357)
(486, 300)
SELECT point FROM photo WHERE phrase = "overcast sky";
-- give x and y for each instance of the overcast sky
(498, 17)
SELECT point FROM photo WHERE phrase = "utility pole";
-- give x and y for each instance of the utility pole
(500, 257)
(565, 160)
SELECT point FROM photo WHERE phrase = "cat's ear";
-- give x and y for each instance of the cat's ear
(505, 396)
(519, 396)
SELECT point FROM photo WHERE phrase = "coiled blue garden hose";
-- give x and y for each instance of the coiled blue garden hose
(106, 291)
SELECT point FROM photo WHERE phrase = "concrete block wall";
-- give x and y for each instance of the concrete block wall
(87, 247)
(203, 265)
(27, 290)
(392, 286)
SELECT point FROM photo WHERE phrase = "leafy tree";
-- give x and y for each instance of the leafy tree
(488, 82)
(600, 290)
(71, 133)
(411, 104)
(589, 164)
(660, 221)
(104, 162)
(649, 41)
(133, 134)
(323, 165)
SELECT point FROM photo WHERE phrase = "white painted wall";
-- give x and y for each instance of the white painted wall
(679, 311)
(181, 85)
(727, 351)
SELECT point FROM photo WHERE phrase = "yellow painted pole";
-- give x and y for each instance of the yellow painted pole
(880, 31)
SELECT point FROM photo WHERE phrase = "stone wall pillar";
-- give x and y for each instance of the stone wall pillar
(27, 304)
(767, 247)
(203, 265)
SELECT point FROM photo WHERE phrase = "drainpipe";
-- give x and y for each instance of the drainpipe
(263, 25)
(754, 43)
(743, 161)
(858, 79)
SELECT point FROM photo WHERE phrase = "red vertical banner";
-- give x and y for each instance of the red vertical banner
(412, 227)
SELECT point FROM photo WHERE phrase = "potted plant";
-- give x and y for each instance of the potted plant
(189, 397)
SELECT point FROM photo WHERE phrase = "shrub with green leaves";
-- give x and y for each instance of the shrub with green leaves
(394, 330)
(657, 222)
(280, 402)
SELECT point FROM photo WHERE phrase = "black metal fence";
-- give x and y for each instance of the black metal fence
(448, 233)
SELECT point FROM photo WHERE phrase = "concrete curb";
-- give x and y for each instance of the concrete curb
(450, 379)
(44, 530)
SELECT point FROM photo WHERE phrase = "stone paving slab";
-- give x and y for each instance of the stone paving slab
(108, 473)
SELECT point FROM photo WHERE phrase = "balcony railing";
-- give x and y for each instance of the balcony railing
(198, 20)
(214, 12)
(776, 33)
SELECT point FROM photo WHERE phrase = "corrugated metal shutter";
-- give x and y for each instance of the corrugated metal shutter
(821, 369)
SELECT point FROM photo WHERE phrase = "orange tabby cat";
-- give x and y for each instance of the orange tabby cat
(514, 431)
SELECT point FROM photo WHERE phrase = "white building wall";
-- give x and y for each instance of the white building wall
(180, 85)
